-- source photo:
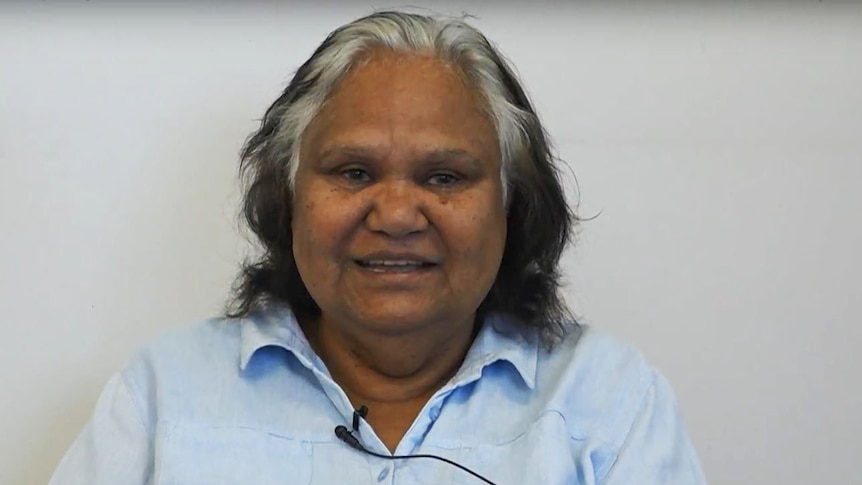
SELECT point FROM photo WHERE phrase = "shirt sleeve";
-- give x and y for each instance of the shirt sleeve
(114, 447)
(657, 449)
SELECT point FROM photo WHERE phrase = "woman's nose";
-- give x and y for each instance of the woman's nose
(397, 209)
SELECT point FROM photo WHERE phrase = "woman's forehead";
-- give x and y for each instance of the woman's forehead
(412, 101)
(425, 85)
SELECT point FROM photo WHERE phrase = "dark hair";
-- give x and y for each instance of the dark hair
(540, 222)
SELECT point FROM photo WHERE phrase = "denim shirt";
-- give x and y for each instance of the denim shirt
(249, 402)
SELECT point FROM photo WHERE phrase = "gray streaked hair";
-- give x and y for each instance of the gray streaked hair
(449, 39)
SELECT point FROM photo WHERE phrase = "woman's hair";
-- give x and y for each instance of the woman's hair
(540, 223)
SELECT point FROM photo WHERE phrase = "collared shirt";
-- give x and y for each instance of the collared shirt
(249, 402)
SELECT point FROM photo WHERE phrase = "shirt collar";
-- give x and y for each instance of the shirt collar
(277, 326)
(499, 339)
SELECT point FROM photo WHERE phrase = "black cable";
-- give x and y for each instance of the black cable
(346, 436)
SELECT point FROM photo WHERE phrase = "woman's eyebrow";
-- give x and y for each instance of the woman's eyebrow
(372, 152)
(451, 155)
(354, 151)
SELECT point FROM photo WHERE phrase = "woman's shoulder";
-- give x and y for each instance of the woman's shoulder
(587, 355)
(597, 382)
(210, 353)
(179, 359)
(202, 342)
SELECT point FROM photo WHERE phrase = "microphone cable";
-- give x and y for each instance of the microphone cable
(346, 436)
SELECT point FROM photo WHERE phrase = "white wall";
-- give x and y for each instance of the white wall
(722, 146)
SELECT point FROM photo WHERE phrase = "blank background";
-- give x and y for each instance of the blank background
(720, 143)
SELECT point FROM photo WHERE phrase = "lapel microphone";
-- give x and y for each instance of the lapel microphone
(347, 436)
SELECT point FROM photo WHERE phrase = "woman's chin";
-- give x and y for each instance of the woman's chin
(396, 320)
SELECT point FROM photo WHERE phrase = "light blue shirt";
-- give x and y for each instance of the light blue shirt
(249, 402)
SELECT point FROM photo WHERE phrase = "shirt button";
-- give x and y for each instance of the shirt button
(435, 413)
(383, 474)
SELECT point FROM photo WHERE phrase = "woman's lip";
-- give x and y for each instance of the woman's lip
(395, 266)
(397, 256)
(389, 262)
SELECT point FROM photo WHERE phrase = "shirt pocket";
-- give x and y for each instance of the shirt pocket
(198, 454)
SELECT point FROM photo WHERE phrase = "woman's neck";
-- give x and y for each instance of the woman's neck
(394, 376)
(374, 368)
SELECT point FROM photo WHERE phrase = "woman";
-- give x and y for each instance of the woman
(406, 301)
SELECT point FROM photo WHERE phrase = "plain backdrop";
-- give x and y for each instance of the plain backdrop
(718, 144)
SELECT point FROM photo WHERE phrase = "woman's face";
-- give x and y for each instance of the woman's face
(399, 220)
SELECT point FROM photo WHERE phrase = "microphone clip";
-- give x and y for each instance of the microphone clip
(357, 414)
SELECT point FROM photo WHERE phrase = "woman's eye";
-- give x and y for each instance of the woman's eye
(443, 179)
(356, 175)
